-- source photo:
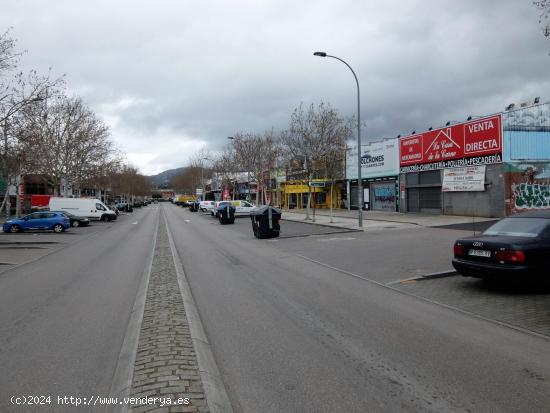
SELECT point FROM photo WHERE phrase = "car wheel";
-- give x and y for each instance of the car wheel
(58, 228)
(76, 224)
(14, 229)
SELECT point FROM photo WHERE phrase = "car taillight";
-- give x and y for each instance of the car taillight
(459, 250)
(510, 256)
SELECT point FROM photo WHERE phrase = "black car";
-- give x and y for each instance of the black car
(516, 246)
(76, 221)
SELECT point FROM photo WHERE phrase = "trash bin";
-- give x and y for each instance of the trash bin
(265, 222)
(193, 206)
(226, 214)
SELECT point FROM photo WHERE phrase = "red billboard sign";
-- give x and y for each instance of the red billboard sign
(475, 138)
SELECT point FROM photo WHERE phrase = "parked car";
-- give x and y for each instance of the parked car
(517, 246)
(206, 206)
(113, 208)
(54, 221)
(75, 220)
(122, 206)
(85, 207)
(243, 208)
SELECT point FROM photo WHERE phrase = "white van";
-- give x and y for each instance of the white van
(206, 206)
(83, 207)
(241, 207)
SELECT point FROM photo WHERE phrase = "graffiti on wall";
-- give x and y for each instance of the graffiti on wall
(530, 187)
(531, 196)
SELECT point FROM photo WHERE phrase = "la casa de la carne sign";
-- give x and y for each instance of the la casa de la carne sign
(477, 142)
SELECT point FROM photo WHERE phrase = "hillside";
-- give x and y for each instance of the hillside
(162, 180)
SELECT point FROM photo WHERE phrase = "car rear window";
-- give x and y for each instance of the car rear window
(518, 227)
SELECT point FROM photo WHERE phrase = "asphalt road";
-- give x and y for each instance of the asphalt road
(63, 317)
(290, 334)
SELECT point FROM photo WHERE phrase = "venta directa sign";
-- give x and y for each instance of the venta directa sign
(477, 142)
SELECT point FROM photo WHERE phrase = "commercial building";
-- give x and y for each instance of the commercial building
(325, 187)
(489, 166)
(379, 175)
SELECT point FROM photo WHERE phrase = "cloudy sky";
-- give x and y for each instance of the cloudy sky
(172, 77)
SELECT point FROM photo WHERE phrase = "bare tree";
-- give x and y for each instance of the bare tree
(225, 167)
(315, 134)
(256, 154)
(129, 183)
(18, 91)
(544, 7)
(69, 141)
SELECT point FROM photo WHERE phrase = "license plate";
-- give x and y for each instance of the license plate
(480, 253)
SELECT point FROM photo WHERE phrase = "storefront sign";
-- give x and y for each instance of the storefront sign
(378, 159)
(317, 184)
(477, 142)
(471, 178)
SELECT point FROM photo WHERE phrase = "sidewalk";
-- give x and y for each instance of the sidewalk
(378, 220)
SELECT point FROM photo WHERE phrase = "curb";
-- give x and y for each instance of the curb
(430, 276)
(369, 219)
(317, 233)
(324, 225)
(124, 371)
(214, 388)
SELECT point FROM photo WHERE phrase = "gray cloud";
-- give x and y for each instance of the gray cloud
(170, 77)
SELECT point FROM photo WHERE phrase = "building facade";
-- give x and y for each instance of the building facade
(379, 175)
(489, 167)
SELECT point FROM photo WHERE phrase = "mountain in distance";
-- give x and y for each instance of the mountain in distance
(162, 180)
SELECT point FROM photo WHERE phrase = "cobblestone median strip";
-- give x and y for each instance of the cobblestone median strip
(166, 361)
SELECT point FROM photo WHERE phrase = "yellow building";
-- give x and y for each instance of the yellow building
(296, 194)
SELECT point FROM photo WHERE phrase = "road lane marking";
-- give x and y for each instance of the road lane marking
(134, 223)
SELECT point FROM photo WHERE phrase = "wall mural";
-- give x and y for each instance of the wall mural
(529, 187)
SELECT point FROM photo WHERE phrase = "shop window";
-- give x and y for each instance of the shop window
(320, 198)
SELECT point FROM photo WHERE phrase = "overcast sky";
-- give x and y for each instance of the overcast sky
(171, 77)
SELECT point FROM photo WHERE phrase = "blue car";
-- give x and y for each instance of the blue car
(54, 221)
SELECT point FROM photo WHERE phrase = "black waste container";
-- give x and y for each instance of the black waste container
(265, 222)
(226, 214)
(193, 206)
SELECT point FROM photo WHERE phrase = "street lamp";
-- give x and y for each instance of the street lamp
(202, 175)
(359, 181)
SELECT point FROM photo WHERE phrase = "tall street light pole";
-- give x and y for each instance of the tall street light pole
(359, 181)
(202, 176)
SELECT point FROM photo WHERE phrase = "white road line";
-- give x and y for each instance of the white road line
(134, 223)
(336, 239)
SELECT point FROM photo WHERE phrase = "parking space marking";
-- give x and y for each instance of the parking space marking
(432, 301)
(336, 239)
